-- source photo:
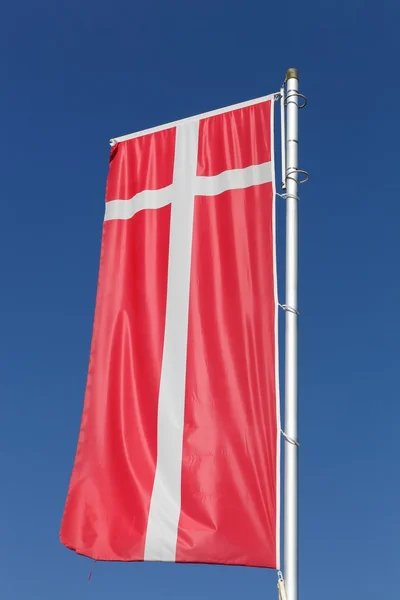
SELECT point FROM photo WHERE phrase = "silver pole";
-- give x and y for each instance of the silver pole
(291, 449)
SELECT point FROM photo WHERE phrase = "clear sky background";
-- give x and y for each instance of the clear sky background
(74, 74)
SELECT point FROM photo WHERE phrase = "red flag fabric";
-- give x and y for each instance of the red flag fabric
(178, 452)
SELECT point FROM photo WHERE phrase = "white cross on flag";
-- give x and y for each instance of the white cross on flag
(178, 453)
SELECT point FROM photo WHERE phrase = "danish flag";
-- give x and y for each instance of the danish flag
(178, 452)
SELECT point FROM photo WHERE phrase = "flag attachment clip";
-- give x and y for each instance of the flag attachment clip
(289, 439)
(286, 196)
(287, 308)
(281, 587)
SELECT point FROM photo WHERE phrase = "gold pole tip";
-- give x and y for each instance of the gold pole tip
(292, 74)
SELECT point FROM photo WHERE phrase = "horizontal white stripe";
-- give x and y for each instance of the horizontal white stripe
(235, 179)
(165, 506)
(125, 209)
(207, 115)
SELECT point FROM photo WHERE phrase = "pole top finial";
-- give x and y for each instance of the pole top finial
(292, 74)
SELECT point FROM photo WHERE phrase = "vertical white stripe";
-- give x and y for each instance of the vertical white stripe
(165, 506)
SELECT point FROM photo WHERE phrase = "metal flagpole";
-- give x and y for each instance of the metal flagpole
(290, 434)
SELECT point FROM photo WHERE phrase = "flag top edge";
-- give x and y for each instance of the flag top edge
(198, 117)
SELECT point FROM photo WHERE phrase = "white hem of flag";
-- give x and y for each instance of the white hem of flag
(207, 115)
(277, 386)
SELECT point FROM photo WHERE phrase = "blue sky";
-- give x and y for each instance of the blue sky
(75, 74)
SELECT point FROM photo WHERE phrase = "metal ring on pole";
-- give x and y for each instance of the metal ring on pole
(286, 196)
(290, 309)
(291, 170)
(289, 439)
(293, 94)
(293, 196)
